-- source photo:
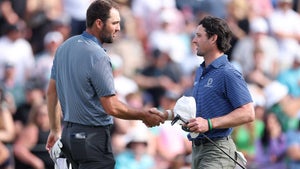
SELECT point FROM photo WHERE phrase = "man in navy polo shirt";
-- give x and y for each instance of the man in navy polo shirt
(222, 98)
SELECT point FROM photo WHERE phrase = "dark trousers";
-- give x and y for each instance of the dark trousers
(87, 147)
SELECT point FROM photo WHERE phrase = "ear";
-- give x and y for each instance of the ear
(213, 39)
(99, 23)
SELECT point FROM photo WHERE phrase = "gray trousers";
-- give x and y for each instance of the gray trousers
(207, 156)
(87, 147)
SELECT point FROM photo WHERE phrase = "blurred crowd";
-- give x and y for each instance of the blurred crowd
(154, 63)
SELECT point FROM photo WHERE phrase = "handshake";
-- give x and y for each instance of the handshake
(183, 111)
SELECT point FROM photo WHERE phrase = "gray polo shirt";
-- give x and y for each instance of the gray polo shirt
(83, 73)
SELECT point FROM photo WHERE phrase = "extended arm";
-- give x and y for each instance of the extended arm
(111, 104)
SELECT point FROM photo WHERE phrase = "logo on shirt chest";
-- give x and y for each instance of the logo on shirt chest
(209, 82)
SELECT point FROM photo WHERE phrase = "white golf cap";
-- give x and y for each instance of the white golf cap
(53, 36)
(274, 92)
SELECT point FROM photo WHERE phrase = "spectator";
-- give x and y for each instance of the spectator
(16, 49)
(161, 74)
(29, 148)
(259, 61)
(136, 156)
(291, 76)
(39, 15)
(123, 84)
(282, 105)
(280, 102)
(168, 40)
(261, 8)
(238, 21)
(145, 13)
(293, 148)
(244, 50)
(34, 93)
(270, 148)
(44, 60)
(285, 27)
(11, 12)
(76, 10)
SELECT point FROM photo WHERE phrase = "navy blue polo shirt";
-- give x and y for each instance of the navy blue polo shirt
(83, 73)
(218, 90)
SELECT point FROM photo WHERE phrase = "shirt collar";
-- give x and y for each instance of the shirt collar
(218, 62)
(91, 37)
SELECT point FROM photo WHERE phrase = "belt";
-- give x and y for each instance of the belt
(70, 124)
(200, 141)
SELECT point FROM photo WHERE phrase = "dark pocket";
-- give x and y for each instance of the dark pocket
(78, 146)
(97, 144)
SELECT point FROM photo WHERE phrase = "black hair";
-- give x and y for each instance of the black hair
(99, 9)
(266, 135)
(218, 26)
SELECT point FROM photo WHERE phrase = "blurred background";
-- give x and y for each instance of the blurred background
(154, 64)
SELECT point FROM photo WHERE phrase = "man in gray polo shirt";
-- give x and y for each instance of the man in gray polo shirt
(82, 84)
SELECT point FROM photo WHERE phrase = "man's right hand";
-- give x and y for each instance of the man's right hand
(154, 117)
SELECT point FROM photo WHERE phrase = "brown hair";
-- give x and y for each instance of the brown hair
(218, 26)
(99, 9)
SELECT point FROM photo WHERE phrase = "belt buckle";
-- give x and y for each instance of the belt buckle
(198, 142)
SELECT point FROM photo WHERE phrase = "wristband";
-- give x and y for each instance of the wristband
(210, 127)
(170, 114)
